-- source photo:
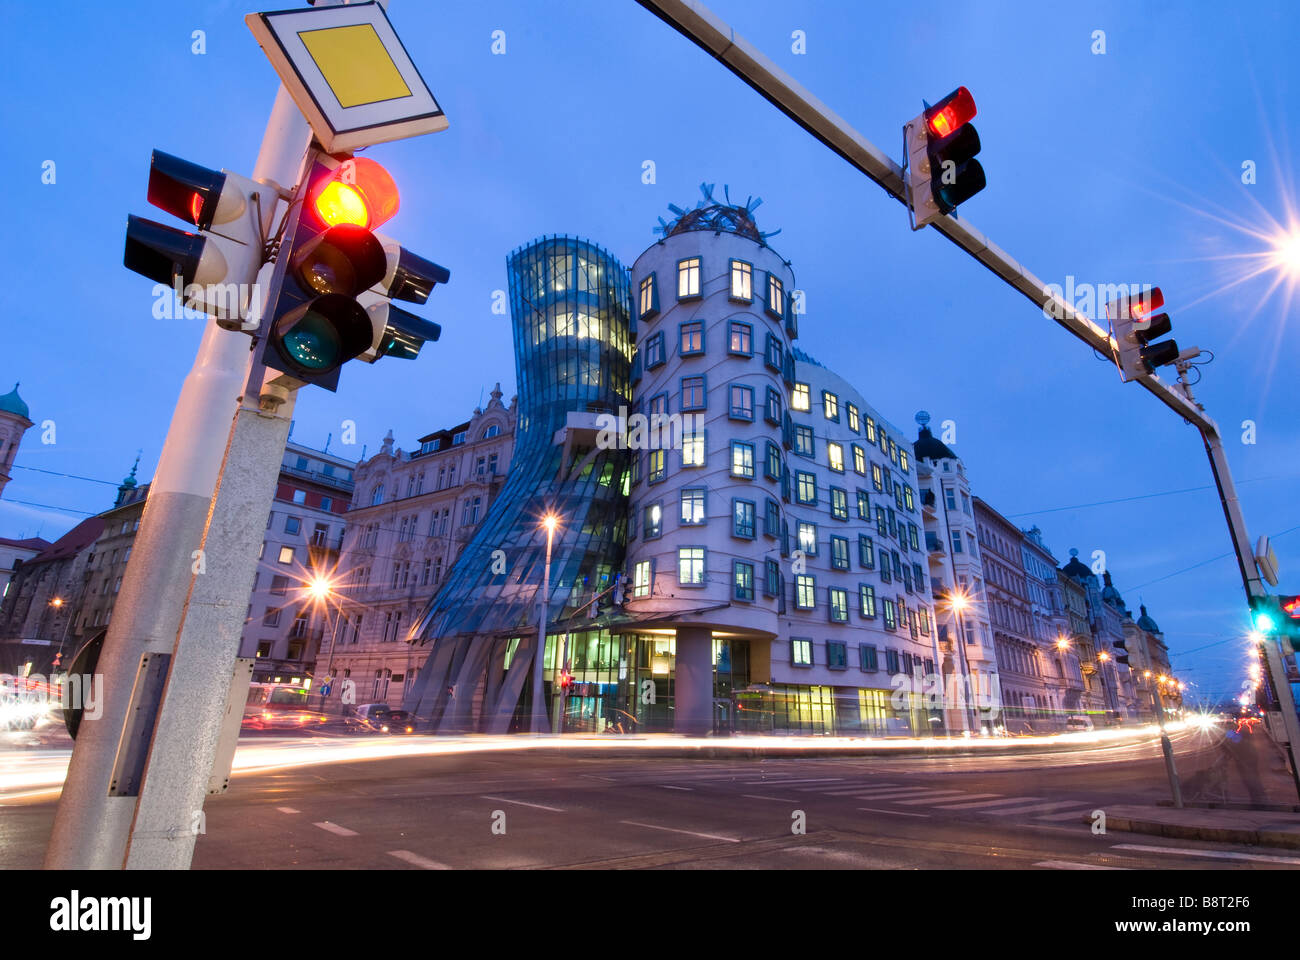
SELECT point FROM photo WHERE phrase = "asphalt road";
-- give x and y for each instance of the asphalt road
(546, 809)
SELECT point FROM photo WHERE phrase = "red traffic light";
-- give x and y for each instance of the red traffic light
(1290, 606)
(360, 192)
(1145, 302)
(951, 113)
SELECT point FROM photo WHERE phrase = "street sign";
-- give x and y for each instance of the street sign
(348, 73)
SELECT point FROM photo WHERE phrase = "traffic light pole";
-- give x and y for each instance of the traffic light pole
(700, 25)
(98, 803)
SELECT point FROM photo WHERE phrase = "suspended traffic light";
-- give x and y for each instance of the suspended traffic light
(940, 144)
(335, 278)
(214, 271)
(1136, 324)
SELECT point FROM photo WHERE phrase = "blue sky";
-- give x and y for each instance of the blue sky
(1119, 167)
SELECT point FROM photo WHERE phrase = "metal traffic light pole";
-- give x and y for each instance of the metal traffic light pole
(98, 805)
(700, 25)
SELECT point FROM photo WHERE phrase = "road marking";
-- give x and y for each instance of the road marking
(288, 810)
(335, 828)
(753, 796)
(858, 788)
(761, 783)
(1035, 808)
(692, 833)
(900, 794)
(524, 803)
(895, 813)
(1220, 854)
(669, 786)
(986, 803)
(1070, 865)
(1076, 814)
(592, 776)
(415, 860)
(922, 801)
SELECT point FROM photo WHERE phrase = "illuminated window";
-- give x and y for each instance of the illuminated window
(693, 508)
(656, 471)
(867, 608)
(855, 423)
(286, 555)
(740, 338)
(742, 524)
(808, 538)
(690, 566)
(742, 575)
(891, 621)
(693, 449)
(835, 456)
(688, 278)
(742, 402)
(800, 398)
(840, 553)
(654, 516)
(649, 297)
(692, 338)
(800, 652)
(805, 487)
(775, 297)
(693, 397)
(742, 281)
(805, 591)
(877, 478)
(742, 459)
(642, 579)
(871, 430)
(831, 403)
(839, 503)
(839, 614)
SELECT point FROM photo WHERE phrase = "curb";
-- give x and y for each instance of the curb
(1285, 839)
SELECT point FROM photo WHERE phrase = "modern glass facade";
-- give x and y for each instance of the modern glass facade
(570, 308)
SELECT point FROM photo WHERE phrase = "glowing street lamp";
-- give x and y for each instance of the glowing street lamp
(549, 523)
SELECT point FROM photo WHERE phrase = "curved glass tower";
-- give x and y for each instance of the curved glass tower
(570, 308)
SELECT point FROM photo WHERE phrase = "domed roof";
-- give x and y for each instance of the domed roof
(12, 403)
(1145, 621)
(1075, 567)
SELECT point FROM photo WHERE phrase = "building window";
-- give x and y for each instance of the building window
(693, 448)
(800, 398)
(867, 601)
(839, 611)
(300, 496)
(772, 519)
(775, 297)
(742, 575)
(742, 459)
(774, 352)
(292, 525)
(867, 658)
(327, 503)
(871, 430)
(742, 512)
(805, 591)
(840, 553)
(866, 552)
(859, 460)
(272, 617)
(742, 402)
(279, 585)
(864, 506)
(742, 281)
(891, 621)
(654, 350)
(835, 456)
(808, 538)
(772, 462)
(642, 579)
(649, 297)
(740, 338)
(804, 443)
(771, 578)
(653, 526)
(805, 490)
(286, 555)
(458, 438)
(772, 409)
(656, 471)
(855, 422)
(877, 478)
(839, 503)
(831, 405)
(800, 652)
(693, 507)
(688, 278)
(909, 498)
(902, 458)
(377, 496)
(691, 339)
(692, 393)
(690, 566)
(956, 541)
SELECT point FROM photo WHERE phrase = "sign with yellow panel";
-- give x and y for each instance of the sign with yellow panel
(348, 73)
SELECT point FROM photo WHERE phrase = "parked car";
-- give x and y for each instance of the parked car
(1077, 723)
(381, 718)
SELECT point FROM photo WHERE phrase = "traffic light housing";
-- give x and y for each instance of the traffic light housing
(335, 278)
(1136, 325)
(940, 145)
(214, 269)
(1278, 616)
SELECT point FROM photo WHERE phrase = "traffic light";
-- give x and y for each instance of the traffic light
(335, 277)
(940, 144)
(1135, 327)
(215, 269)
(1277, 616)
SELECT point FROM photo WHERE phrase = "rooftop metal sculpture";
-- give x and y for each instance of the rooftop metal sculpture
(709, 214)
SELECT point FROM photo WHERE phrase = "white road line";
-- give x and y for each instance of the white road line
(771, 781)
(895, 813)
(926, 801)
(1035, 808)
(288, 810)
(592, 776)
(1070, 865)
(1075, 814)
(752, 796)
(415, 860)
(692, 833)
(978, 804)
(523, 803)
(892, 794)
(1219, 854)
(669, 786)
(335, 828)
(856, 788)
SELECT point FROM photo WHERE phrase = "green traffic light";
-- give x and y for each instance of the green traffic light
(1264, 623)
(312, 343)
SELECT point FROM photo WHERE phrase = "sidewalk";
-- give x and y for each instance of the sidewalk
(1262, 828)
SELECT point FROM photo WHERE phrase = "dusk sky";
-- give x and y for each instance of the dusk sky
(1122, 166)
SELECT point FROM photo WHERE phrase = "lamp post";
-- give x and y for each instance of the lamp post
(549, 523)
(958, 602)
(321, 590)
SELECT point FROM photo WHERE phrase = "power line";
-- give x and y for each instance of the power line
(1141, 496)
(47, 506)
(1204, 562)
(70, 476)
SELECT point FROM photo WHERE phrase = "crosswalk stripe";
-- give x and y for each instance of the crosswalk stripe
(894, 813)
(891, 794)
(1035, 808)
(770, 781)
(1070, 865)
(415, 860)
(978, 804)
(924, 800)
(1076, 814)
(846, 791)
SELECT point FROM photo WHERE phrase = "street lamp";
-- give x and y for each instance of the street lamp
(549, 522)
(958, 602)
(321, 590)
